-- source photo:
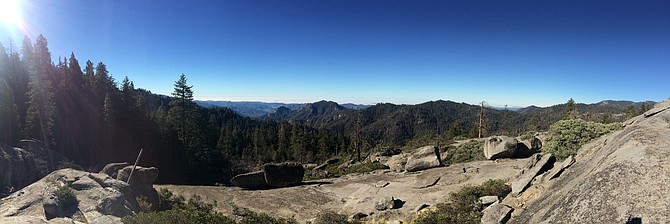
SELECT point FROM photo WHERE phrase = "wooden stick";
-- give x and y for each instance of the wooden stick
(134, 166)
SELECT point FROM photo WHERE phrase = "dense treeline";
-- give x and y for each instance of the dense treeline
(93, 120)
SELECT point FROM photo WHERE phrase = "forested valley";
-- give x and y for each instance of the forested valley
(81, 111)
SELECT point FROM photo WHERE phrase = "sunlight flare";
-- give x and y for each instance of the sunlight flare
(10, 13)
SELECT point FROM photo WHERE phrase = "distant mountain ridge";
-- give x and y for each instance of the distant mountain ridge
(255, 109)
(398, 124)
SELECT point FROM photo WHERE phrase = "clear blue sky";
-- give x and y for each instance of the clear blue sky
(503, 52)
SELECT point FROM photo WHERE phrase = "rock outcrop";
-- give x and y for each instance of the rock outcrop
(100, 199)
(273, 175)
(619, 178)
(20, 166)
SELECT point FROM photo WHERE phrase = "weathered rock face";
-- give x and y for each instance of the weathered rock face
(617, 178)
(283, 174)
(20, 166)
(272, 175)
(500, 147)
(423, 158)
(103, 200)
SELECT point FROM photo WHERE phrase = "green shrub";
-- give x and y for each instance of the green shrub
(466, 152)
(177, 216)
(463, 206)
(331, 217)
(567, 136)
(65, 197)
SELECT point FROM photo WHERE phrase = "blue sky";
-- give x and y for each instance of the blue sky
(504, 52)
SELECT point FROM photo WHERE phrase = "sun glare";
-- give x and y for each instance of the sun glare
(10, 14)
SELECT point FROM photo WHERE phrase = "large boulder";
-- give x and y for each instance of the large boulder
(283, 174)
(497, 147)
(105, 201)
(20, 166)
(252, 180)
(500, 147)
(423, 158)
(141, 182)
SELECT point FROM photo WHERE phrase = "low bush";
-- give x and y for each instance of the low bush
(463, 206)
(567, 136)
(466, 152)
(66, 198)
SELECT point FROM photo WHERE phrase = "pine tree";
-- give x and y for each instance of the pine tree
(89, 76)
(181, 107)
(76, 78)
(570, 110)
(41, 110)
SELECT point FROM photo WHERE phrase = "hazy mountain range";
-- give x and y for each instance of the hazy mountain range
(260, 109)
